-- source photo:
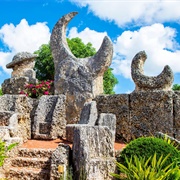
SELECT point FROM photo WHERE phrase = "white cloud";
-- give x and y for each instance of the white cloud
(4, 58)
(88, 35)
(158, 42)
(22, 37)
(133, 11)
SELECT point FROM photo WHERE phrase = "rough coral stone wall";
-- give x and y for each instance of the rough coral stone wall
(176, 114)
(141, 113)
(22, 106)
(151, 112)
(119, 105)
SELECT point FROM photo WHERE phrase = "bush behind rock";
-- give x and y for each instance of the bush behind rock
(147, 146)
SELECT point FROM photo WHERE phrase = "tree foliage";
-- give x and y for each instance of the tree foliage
(176, 87)
(1, 93)
(44, 65)
(79, 49)
(109, 81)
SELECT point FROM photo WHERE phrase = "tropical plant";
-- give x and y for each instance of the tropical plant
(37, 90)
(3, 151)
(168, 139)
(145, 147)
(153, 168)
(44, 65)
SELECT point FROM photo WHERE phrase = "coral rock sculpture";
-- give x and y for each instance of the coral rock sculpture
(144, 83)
(23, 73)
(79, 79)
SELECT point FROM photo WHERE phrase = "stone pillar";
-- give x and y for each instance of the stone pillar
(60, 159)
(93, 153)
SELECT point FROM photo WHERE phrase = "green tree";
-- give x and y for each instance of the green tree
(176, 87)
(44, 65)
(109, 81)
(1, 93)
(79, 49)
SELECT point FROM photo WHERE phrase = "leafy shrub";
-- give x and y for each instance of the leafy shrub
(146, 146)
(137, 168)
(37, 90)
(4, 150)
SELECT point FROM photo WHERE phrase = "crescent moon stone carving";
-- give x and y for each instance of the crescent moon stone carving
(145, 83)
(80, 79)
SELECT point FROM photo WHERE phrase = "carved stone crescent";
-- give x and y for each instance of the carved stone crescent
(144, 83)
(80, 79)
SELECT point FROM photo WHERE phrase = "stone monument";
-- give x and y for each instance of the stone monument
(79, 79)
(22, 74)
(152, 107)
(145, 83)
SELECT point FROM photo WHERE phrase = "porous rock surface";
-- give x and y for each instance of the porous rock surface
(93, 152)
(79, 79)
(16, 85)
(30, 164)
(23, 73)
(117, 104)
(145, 83)
(89, 113)
(142, 113)
(60, 157)
(22, 57)
(15, 111)
(90, 117)
(176, 111)
(151, 112)
(49, 119)
(109, 120)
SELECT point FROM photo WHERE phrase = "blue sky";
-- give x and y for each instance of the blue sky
(132, 25)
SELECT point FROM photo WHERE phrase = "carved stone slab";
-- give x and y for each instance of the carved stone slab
(49, 120)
